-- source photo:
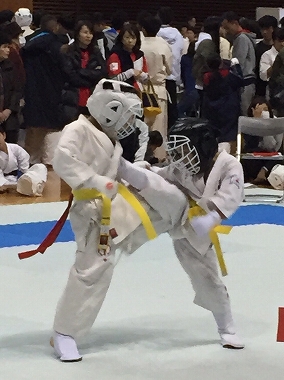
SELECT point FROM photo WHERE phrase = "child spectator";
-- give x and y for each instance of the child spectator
(14, 162)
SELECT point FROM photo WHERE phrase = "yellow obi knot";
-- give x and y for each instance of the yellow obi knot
(195, 211)
(88, 194)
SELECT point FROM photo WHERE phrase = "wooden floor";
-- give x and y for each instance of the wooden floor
(55, 190)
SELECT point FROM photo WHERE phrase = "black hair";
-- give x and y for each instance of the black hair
(281, 22)
(267, 21)
(212, 26)
(165, 14)
(151, 25)
(251, 25)
(141, 15)
(4, 38)
(6, 15)
(133, 31)
(46, 21)
(230, 16)
(259, 100)
(77, 29)
(214, 61)
(155, 138)
(2, 130)
(37, 16)
(67, 20)
(98, 18)
(119, 18)
(278, 34)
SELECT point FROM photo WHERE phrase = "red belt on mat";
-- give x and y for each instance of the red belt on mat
(51, 237)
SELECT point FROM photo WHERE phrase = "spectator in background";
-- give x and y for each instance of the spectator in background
(158, 55)
(15, 32)
(6, 16)
(99, 35)
(66, 22)
(173, 37)
(244, 51)
(24, 18)
(83, 67)
(221, 103)
(268, 57)
(257, 171)
(267, 26)
(126, 62)
(10, 92)
(36, 23)
(44, 83)
(208, 43)
(189, 101)
(119, 18)
(191, 22)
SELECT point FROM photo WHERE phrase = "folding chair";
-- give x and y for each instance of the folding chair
(260, 127)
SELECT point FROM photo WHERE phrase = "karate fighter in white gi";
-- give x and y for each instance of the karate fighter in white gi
(88, 158)
(215, 182)
(14, 160)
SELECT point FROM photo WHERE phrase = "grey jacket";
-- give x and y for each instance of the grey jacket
(244, 51)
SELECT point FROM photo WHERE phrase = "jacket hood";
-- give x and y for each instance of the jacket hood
(169, 34)
(251, 36)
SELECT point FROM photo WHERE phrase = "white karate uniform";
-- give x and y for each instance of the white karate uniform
(32, 180)
(223, 190)
(16, 159)
(86, 158)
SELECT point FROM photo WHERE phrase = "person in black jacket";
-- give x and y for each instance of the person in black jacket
(42, 93)
(83, 67)
(10, 92)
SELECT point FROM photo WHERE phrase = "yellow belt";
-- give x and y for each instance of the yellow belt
(196, 210)
(87, 194)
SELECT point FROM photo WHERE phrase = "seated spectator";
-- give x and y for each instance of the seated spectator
(83, 67)
(257, 171)
(126, 62)
(15, 170)
(10, 92)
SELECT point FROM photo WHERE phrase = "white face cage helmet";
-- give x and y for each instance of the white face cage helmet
(183, 154)
(115, 105)
(23, 17)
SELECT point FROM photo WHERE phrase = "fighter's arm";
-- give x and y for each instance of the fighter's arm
(230, 194)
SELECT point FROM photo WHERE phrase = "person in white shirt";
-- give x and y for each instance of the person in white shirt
(267, 59)
(159, 57)
(176, 42)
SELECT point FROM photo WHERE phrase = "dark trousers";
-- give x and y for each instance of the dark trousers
(172, 102)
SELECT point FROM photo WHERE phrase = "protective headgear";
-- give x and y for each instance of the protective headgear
(192, 144)
(23, 17)
(115, 106)
(276, 177)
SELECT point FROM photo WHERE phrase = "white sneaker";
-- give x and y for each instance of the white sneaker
(231, 341)
(227, 330)
(65, 348)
